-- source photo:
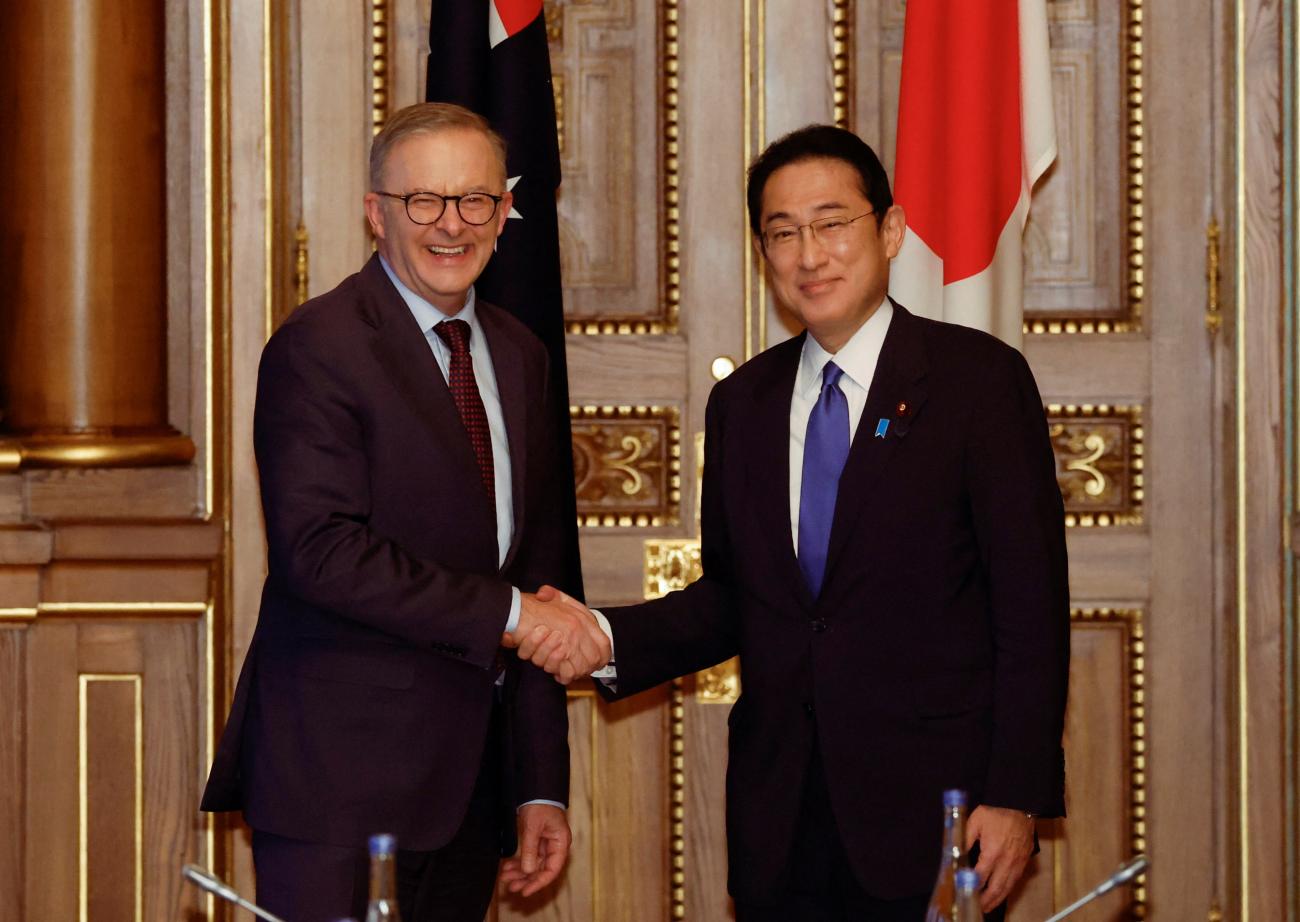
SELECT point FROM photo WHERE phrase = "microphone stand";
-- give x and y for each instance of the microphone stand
(205, 880)
(1124, 875)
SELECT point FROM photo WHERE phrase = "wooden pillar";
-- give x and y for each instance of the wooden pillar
(83, 232)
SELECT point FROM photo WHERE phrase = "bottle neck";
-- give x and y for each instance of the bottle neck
(383, 878)
(954, 835)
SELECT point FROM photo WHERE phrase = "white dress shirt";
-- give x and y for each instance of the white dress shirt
(857, 359)
(428, 316)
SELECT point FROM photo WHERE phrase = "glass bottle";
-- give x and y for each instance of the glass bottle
(383, 880)
(968, 896)
(943, 899)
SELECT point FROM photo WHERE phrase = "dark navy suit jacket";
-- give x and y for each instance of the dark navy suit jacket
(937, 653)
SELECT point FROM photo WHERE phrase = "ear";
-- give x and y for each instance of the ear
(503, 211)
(892, 230)
(375, 214)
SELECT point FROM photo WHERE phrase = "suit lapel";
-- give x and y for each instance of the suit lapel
(769, 451)
(899, 382)
(508, 366)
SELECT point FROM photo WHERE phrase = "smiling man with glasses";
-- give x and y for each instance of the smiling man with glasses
(402, 433)
(883, 546)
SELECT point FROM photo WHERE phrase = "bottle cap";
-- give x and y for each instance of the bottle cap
(967, 880)
(383, 844)
(954, 798)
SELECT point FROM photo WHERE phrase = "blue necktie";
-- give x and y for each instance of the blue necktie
(825, 449)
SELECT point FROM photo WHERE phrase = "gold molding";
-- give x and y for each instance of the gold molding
(1133, 473)
(677, 801)
(301, 263)
(1130, 621)
(670, 215)
(669, 511)
(27, 613)
(754, 136)
(1130, 318)
(841, 42)
(95, 450)
(83, 790)
(379, 60)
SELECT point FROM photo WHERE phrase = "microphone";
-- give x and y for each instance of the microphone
(1124, 875)
(205, 880)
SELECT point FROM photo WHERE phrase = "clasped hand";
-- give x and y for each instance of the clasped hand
(559, 634)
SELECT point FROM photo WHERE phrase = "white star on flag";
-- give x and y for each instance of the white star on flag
(510, 187)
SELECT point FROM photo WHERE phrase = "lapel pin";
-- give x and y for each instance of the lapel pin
(881, 428)
(902, 408)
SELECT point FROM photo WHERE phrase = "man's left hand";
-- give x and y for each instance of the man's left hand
(544, 840)
(1006, 839)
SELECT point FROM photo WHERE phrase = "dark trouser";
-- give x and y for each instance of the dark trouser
(818, 884)
(310, 882)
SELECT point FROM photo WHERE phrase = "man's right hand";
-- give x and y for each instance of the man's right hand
(559, 634)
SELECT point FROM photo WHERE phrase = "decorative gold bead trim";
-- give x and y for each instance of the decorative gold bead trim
(98, 450)
(670, 215)
(1133, 475)
(677, 801)
(1130, 621)
(841, 42)
(301, 263)
(379, 95)
(669, 511)
(1130, 321)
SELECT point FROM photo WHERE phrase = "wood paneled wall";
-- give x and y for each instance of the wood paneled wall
(128, 596)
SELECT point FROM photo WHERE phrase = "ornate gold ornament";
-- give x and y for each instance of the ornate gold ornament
(627, 465)
(840, 15)
(379, 95)
(1099, 461)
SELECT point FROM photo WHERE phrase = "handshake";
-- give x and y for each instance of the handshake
(559, 634)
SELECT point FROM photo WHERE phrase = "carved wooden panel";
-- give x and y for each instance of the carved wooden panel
(614, 66)
(1099, 462)
(627, 465)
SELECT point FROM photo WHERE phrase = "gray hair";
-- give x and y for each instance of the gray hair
(428, 118)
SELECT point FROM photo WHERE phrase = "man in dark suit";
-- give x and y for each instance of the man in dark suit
(883, 546)
(402, 437)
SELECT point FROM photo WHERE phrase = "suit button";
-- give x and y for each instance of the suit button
(819, 625)
(808, 708)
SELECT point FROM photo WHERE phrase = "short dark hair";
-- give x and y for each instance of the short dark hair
(815, 142)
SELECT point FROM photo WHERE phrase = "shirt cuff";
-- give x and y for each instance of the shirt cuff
(607, 673)
(551, 803)
(512, 622)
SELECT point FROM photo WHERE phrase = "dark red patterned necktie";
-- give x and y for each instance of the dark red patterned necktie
(464, 390)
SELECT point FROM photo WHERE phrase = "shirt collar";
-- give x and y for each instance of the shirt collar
(425, 314)
(857, 359)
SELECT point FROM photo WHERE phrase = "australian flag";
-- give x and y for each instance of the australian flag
(491, 56)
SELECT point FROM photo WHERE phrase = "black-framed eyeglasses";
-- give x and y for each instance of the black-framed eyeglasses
(826, 231)
(427, 207)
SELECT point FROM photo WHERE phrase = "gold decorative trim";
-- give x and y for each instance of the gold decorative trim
(677, 801)
(118, 608)
(379, 95)
(557, 93)
(83, 791)
(719, 684)
(301, 263)
(21, 613)
(1129, 480)
(670, 124)
(99, 450)
(841, 42)
(1130, 319)
(670, 563)
(1130, 620)
(632, 467)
